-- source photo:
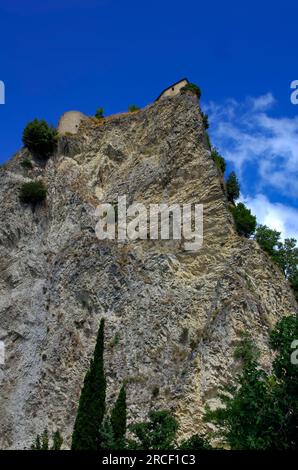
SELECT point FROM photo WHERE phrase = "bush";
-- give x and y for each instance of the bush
(232, 187)
(40, 138)
(195, 442)
(244, 220)
(132, 108)
(99, 113)
(192, 88)
(159, 432)
(33, 192)
(219, 160)
(27, 164)
(205, 120)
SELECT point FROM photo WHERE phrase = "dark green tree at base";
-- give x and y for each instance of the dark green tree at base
(91, 408)
(159, 432)
(118, 419)
(112, 434)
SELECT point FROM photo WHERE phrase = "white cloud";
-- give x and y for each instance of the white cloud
(245, 133)
(277, 216)
(263, 102)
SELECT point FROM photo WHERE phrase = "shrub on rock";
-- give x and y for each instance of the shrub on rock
(33, 192)
(40, 138)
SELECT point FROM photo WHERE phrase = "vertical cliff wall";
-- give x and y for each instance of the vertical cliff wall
(173, 317)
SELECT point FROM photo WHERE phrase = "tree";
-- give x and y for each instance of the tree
(288, 257)
(157, 433)
(99, 114)
(260, 410)
(286, 373)
(106, 435)
(33, 192)
(91, 408)
(218, 159)
(268, 239)
(232, 187)
(42, 442)
(284, 254)
(118, 419)
(132, 108)
(40, 138)
(57, 441)
(45, 440)
(195, 442)
(193, 88)
(205, 120)
(244, 220)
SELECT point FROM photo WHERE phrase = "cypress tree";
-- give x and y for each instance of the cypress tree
(118, 419)
(232, 187)
(45, 440)
(57, 441)
(91, 408)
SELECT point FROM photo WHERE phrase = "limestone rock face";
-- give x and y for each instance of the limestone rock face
(173, 318)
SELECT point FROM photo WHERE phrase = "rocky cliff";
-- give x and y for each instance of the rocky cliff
(173, 317)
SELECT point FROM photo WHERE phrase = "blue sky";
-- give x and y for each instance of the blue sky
(62, 55)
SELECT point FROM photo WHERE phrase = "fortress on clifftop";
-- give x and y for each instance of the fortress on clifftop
(70, 121)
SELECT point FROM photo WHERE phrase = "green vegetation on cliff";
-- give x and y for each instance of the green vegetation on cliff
(91, 408)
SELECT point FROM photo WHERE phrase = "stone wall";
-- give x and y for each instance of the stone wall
(70, 122)
(173, 90)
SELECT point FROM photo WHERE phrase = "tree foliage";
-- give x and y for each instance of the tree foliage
(284, 254)
(159, 432)
(99, 113)
(195, 442)
(205, 120)
(260, 410)
(269, 240)
(91, 408)
(219, 160)
(106, 435)
(244, 220)
(57, 441)
(42, 442)
(132, 108)
(232, 187)
(40, 138)
(118, 418)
